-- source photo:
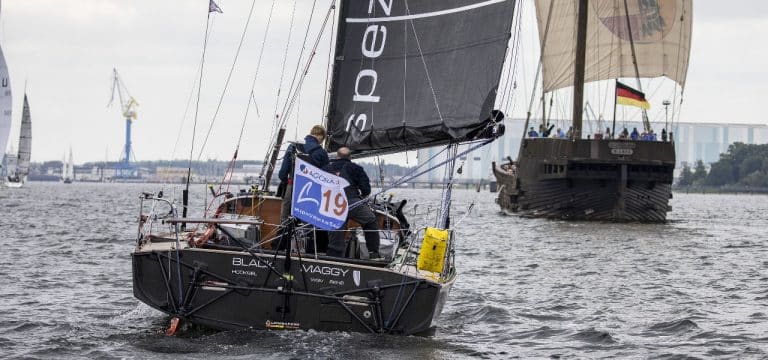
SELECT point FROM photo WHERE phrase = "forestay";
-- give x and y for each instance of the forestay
(5, 105)
(411, 74)
(661, 31)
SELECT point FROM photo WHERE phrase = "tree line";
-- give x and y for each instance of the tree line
(742, 165)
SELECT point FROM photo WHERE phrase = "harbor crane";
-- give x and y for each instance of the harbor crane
(128, 104)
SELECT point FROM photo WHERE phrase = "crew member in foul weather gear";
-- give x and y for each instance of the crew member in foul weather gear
(359, 187)
(317, 157)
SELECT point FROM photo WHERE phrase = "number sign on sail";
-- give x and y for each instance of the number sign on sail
(318, 197)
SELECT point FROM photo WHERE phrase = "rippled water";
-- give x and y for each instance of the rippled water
(696, 286)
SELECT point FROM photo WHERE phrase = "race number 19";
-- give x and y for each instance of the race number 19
(333, 202)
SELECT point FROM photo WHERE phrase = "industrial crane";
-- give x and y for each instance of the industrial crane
(128, 107)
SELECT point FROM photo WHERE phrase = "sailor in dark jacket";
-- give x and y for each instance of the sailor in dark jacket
(317, 156)
(359, 187)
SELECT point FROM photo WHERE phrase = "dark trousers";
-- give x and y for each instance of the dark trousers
(285, 209)
(363, 215)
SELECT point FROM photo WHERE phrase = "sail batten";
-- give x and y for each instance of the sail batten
(660, 30)
(413, 74)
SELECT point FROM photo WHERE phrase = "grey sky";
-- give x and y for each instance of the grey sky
(65, 50)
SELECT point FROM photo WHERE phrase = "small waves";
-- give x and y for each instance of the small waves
(674, 327)
(594, 336)
(694, 287)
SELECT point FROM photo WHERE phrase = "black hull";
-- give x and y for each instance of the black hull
(233, 290)
(588, 180)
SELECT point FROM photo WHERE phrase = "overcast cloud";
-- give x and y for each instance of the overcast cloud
(65, 50)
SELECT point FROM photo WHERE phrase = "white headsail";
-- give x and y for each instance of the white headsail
(70, 166)
(5, 104)
(660, 30)
(25, 141)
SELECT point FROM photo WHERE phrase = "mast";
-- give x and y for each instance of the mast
(579, 64)
(273, 158)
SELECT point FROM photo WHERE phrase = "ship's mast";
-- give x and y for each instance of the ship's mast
(579, 64)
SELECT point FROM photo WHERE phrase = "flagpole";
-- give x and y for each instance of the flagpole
(615, 100)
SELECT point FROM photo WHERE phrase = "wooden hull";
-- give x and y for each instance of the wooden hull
(589, 180)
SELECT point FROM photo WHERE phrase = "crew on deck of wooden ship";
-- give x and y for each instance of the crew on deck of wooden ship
(359, 187)
(317, 157)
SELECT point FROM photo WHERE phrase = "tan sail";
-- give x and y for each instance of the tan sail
(661, 31)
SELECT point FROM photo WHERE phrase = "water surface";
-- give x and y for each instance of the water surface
(696, 286)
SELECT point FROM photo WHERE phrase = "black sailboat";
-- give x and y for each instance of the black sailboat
(601, 176)
(406, 75)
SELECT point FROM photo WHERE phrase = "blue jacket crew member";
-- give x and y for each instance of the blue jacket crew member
(359, 187)
(317, 157)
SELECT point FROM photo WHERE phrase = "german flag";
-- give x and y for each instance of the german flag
(626, 95)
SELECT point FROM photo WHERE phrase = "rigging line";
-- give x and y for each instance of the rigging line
(541, 59)
(297, 92)
(184, 118)
(516, 60)
(301, 53)
(424, 62)
(448, 190)
(677, 67)
(328, 67)
(282, 71)
(229, 77)
(256, 76)
(189, 99)
(512, 51)
(197, 102)
(405, 75)
(413, 175)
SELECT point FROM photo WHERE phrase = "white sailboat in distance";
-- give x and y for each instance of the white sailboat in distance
(18, 177)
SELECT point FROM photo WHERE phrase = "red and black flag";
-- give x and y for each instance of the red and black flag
(626, 95)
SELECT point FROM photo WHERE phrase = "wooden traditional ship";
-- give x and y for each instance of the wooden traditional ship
(600, 176)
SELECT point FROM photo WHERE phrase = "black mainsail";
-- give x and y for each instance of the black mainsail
(414, 74)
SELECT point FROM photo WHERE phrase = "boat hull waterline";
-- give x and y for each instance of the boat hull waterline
(228, 290)
(589, 180)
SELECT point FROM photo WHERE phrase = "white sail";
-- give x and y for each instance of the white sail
(5, 104)
(70, 167)
(661, 32)
(64, 169)
(25, 141)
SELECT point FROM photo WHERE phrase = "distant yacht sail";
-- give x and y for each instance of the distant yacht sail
(68, 170)
(5, 103)
(19, 176)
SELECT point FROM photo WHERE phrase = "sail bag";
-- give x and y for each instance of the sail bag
(432, 254)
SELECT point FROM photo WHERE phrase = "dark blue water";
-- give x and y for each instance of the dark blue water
(694, 287)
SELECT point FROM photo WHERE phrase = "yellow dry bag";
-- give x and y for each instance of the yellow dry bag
(432, 254)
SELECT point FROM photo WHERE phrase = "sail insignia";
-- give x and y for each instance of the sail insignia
(659, 29)
(400, 83)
